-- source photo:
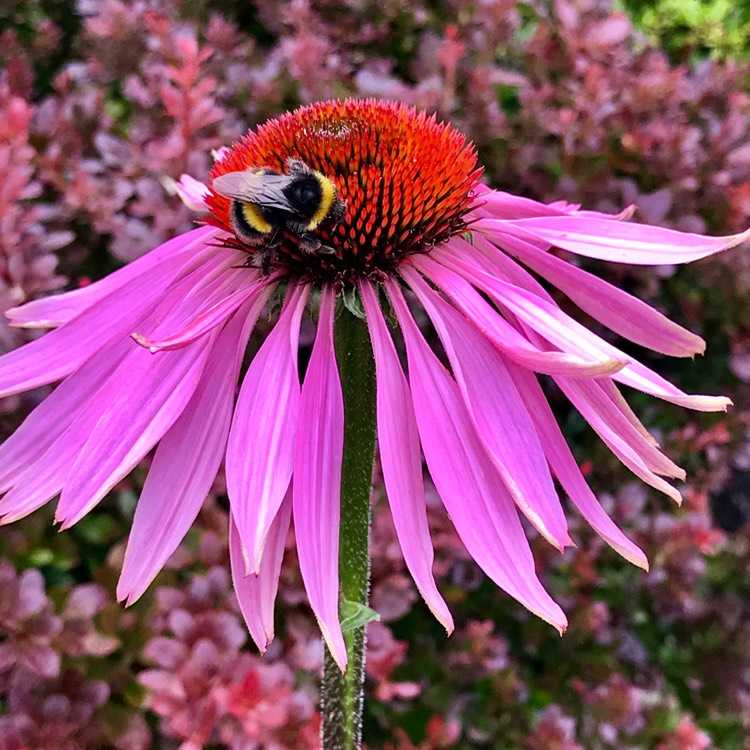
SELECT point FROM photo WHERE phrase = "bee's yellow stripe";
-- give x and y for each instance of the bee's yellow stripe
(328, 195)
(255, 218)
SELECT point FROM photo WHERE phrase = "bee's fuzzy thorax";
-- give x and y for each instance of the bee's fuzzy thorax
(405, 178)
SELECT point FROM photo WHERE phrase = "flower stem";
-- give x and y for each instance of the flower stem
(342, 698)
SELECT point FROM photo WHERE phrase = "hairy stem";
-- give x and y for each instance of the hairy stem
(342, 698)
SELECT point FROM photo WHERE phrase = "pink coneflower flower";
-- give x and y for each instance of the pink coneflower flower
(151, 356)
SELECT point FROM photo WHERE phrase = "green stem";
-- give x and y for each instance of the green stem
(342, 697)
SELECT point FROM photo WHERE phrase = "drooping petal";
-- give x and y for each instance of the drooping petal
(45, 473)
(615, 424)
(58, 309)
(644, 379)
(318, 453)
(476, 499)
(540, 315)
(260, 451)
(187, 460)
(616, 309)
(62, 351)
(619, 242)
(35, 488)
(601, 396)
(44, 476)
(584, 398)
(256, 593)
(499, 415)
(503, 335)
(621, 403)
(498, 204)
(215, 309)
(159, 389)
(401, 460)
(566, 469)
(54, 415)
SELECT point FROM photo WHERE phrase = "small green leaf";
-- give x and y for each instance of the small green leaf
(352, 303)
(355, 615)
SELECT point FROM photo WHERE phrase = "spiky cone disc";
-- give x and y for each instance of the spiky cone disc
(406, 179)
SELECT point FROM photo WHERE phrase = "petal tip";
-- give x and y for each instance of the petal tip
(634, 555)
(738, 239)
(336, 645)
(443, 616)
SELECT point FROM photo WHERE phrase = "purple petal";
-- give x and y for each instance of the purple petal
(476, 499)
(64, 350)
(586, 397)
(37, 472)
(56, 310)
(45, 476)
(566, 469)
(186, 461)
(613, 392)
(398, 445)
(618, 310)
(536, 312)
(256, 594)
(602, 405)
(503, 335)
(318, 453)
(214, 310)
(498, 204)
(499, 415)
(260, 452)
(608, 401)
(540, 315)
(620, 242)
(54, 415)
(158, 390)
(644, 379)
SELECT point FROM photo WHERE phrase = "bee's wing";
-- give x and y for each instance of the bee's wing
(254, 187)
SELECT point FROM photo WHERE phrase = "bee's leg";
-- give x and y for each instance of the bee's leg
(309, 244)
(266, 259)
(268, 253)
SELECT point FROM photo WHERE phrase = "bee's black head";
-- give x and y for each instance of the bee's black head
(304, 194)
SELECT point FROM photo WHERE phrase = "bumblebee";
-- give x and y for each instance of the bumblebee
(264, 203)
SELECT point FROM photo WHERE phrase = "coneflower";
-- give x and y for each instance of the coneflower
(150, 357)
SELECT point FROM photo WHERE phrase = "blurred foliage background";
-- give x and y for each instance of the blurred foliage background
(593, 101)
